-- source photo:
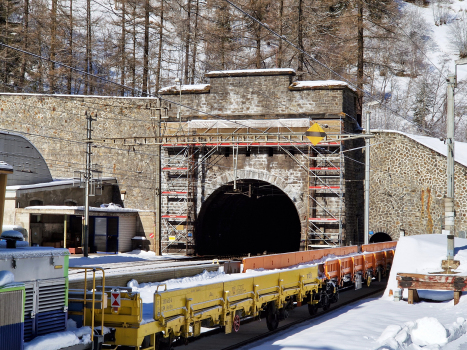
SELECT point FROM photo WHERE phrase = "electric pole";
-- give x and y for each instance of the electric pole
(158, 184)
(367, 181)
(87, 177)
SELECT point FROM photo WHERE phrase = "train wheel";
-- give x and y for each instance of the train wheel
(335, 297)
(146, 342)
(312, 309)
(272, 318)
(379, 275)
(164, 343)
(326, 303)
(236, 323)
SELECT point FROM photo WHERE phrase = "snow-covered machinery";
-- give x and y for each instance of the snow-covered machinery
(44, 273)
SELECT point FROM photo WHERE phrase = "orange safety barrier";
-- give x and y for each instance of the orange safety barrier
(271, 262)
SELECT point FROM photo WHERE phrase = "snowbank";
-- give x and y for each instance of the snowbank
(423, 254)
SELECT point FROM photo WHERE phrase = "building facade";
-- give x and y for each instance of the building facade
(236, 161)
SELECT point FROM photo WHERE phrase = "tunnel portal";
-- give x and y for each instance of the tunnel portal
(255, 218)
(380, 237)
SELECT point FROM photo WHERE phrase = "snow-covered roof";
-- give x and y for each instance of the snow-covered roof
(437, 145)
(319, 84)
(110, 208)
(76, 96)
(5, 167)
(270, 123)
(55, 182)
(250, 72)
(185, 89)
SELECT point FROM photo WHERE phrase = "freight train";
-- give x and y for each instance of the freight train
(180, 313)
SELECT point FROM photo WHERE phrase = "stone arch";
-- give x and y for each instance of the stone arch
(380, 236)
(295, 196)
(393, 234)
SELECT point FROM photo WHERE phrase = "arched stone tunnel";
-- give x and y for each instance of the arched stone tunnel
(257, 217)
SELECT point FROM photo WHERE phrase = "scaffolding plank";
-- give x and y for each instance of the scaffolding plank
(323, 220)
(174, 169)
(168, 216)
(324, 187)
(325, 168)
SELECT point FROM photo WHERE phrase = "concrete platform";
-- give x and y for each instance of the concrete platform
(118, 274)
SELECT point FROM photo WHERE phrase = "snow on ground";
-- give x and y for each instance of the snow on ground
(135, 255)
(384, 324)
(54, 341)
(373, 324)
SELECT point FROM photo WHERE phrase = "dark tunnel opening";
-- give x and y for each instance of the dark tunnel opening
(379, 237)
(258, 217)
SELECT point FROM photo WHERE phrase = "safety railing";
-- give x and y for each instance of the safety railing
(84, 300)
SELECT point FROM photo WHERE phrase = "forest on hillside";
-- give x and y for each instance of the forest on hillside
(135, 47)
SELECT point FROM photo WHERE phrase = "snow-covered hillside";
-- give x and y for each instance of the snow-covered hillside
(412, 92)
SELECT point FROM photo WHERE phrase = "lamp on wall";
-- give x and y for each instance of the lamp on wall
(122, 195)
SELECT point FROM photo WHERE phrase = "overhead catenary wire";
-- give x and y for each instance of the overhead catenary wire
(283, 38)
(120, 85)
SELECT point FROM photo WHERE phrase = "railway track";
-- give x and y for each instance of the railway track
(144, 264)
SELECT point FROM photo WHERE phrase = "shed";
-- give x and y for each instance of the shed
(111, 228)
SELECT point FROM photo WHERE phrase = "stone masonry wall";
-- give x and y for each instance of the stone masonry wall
(56, 125)
(408, 184)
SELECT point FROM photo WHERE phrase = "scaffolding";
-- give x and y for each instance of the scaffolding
(326, 194)
(189, 146)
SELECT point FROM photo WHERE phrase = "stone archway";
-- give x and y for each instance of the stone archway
(380, 237)
(258, 217)
(294, 193)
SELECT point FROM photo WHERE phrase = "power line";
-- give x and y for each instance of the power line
(283, 38)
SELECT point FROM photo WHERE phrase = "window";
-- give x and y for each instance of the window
(35, 202)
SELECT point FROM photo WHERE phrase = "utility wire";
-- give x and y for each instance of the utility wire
(283, 38)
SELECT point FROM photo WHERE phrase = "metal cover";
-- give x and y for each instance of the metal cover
(11, 304)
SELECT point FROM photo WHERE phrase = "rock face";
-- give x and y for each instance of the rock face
(56, 125)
